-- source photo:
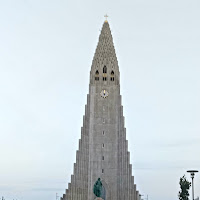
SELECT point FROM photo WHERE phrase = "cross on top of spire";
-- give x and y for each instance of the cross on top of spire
(106, 16)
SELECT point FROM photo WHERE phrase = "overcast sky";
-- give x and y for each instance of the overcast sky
(46, 51)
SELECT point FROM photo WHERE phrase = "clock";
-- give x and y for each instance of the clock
(104, 93)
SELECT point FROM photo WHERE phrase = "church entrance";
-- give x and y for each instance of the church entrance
(103, 195)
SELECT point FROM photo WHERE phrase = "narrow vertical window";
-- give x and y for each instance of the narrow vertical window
(102, 171)
(104, 78)
(104, 73)
(97, 75)
(103, 132)
(104, 70)
(112, 76)
(102, 145)
(102, 157)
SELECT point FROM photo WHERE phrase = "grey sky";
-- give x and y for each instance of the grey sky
(46, 51)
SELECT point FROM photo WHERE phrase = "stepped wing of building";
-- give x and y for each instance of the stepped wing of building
(103, 148)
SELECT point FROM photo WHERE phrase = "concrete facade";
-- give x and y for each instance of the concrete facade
(103, 148)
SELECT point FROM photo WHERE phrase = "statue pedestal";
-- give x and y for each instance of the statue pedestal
(98, 198)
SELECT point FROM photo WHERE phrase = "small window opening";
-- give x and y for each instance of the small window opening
(112, 78)
(97, 75)
(112, 75)
(104, 73)
(102, 157)
(102, 145)
(102, 171)
(104, 69)
(103, 132)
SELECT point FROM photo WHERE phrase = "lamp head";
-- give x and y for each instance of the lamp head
(192, 172)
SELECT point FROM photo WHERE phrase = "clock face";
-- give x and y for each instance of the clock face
(104, 93)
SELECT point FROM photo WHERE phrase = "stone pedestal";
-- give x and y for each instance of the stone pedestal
(98, 198)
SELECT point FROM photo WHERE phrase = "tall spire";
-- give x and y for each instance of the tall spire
(105, 53)
(103, 149)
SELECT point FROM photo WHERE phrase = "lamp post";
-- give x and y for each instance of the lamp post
(192, 173)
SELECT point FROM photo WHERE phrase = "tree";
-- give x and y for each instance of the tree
(185, 186)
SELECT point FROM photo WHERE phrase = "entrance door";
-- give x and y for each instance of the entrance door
(103, 195)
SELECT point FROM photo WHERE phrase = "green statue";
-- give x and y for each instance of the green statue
(97, 189)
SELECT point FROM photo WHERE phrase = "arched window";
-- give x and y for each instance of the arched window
(104, 69)
(112, 76)
(97, 75)
(104, 73)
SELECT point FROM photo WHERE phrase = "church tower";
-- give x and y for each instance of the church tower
(103, 148)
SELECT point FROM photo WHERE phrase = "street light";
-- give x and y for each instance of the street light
(192, 173)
